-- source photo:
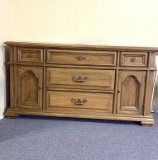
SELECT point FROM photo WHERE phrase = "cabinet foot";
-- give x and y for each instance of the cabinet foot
(147, 123)
(12, 116)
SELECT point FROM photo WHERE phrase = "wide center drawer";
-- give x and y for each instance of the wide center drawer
(76, 100)
(87, 78)
(100, 58)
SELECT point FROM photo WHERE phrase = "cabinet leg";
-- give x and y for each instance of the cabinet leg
(147, 123)
(11, 114)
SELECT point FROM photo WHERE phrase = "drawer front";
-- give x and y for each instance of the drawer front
(134, 59)
(100, 58)
(91, 79)
(77, 100)
(30, 55)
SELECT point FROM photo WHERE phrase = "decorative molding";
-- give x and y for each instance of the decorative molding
(137, 89)
(27, 90)
(131, 76)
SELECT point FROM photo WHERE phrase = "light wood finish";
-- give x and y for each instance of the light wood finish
(149, 91)
(30, 55)
(12, 88)
(29, 87)
(87, 78)
(152, 59)
(81, 47)
(147, 123)
(134, 59)
(82, 81)
(80, 114)
(131, 86)
(81, 57)
(75, 100)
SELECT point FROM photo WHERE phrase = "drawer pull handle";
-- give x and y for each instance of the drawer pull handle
(78, 101)
(133, 59)
(39, 88)
(80, 58)
(29, 55)
(79, 78)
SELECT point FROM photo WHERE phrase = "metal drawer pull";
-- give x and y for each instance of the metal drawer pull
(79, 78)
(29, 55)
(39, 88)
(78, 101)
(133, 59)
(80, 58)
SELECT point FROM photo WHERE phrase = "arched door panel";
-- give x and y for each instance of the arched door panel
(131, 92)
(30, 87)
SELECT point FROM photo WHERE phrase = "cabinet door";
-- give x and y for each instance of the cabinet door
(131, 92)
(30, 87)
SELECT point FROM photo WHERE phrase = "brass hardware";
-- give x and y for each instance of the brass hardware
(133, 59)
(79, 78)
(78, 101)
(29, 55)
(80, 58)
(119, 91)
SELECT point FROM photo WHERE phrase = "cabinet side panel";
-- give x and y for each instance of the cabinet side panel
(149, 92)
(11, 54)
(11, 83)
(11, 79)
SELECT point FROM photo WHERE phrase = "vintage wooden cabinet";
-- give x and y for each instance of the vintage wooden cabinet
(102, 82)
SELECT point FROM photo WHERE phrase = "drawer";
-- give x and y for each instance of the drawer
(134, 59)
(30, 55)
(87, 78)
(78, 100)
(100, 58)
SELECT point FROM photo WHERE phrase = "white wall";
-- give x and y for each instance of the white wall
(6, 33)
(110, 22)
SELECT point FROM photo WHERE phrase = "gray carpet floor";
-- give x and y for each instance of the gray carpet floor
(48, 138)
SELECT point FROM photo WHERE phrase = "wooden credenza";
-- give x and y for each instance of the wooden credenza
(83, 81)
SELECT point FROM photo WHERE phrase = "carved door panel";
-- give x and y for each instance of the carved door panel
(131, 92)
(30, 87)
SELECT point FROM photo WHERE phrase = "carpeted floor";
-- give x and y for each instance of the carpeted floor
(47, 138)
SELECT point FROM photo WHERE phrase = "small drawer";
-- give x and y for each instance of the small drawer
(85, 78)
(30, 55)
(134, 59)
(77, 100)
(100, 58)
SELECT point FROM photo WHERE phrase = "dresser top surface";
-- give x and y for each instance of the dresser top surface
(80, 46)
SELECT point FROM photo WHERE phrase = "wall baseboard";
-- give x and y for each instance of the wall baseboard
(1, 117)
